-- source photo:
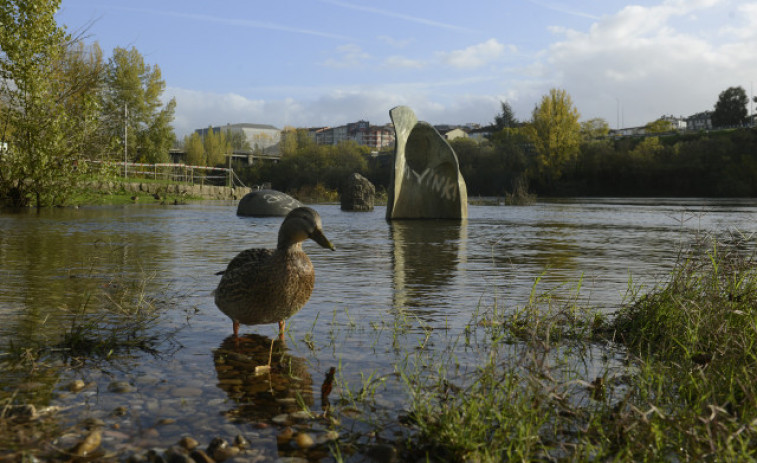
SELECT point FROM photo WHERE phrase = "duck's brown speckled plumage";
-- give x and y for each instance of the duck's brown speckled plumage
(266, 285)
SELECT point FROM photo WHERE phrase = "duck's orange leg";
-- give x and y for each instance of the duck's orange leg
(282, 327)
(236, 328)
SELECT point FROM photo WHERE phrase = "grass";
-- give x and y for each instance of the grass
(114, 318)
(669, 377)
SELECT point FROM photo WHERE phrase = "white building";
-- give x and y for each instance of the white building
(263, 139)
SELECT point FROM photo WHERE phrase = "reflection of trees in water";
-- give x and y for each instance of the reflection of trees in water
(425, 260)
(53, 263)
(262, 396)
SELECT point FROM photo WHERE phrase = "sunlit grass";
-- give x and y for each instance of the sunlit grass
(669, 377)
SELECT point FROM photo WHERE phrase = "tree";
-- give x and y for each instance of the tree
(238, 140)
(659, 126)
(195, 150)
(216, 147)
(506, 118)
(131, 99)
(730, 108)
(47, 91)
(555, 134)
(594, 128)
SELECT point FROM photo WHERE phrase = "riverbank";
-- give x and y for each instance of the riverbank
(171, 191)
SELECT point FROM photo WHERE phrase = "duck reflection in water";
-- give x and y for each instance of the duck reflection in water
(262, 286)
(260, 397)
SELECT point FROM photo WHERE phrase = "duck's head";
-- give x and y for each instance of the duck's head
(300, 224)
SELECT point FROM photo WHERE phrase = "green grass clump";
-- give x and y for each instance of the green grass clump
(695, 341)
(670, 377)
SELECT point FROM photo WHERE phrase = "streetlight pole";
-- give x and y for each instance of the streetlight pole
(126, 134)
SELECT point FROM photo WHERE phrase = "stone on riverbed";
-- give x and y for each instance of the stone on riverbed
(358, 195)
(266, 203)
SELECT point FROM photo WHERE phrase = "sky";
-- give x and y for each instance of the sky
(313, 63)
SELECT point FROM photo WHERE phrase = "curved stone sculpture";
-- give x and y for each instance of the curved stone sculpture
(426, 182)
(265, 203)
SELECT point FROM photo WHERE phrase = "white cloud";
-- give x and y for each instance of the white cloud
(398, 62)
(649, 61)
(476, 55)
(333, 107)
(395, 42)
(347, 56)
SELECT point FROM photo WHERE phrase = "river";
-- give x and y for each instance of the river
(386, 281)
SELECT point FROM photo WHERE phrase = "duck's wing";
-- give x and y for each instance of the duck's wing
(248, 256)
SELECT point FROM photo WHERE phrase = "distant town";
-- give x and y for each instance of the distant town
(265, 139)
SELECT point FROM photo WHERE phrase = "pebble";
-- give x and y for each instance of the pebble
(216, 444)
(177, 455)
(281, 419)
(164, 421)
(382, 453)
(200, 457)
(241, 442)
(187, 392)
(285, 436)
(120, 387)
(76, 386)
(301, 415)
(224, 453)
(188, 443)
(88, 445)
(304, 440)
(327, 437)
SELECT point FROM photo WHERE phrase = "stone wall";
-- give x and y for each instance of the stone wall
(197, 191)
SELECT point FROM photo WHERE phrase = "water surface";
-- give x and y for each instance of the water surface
(418, 274)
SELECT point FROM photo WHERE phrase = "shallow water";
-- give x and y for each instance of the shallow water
(415, 275)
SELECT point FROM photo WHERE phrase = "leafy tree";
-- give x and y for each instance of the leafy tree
(506, 118)
(730, 108)
(47, 92)
(131, 98)
(659, 126)
(594, 128)
(238, 140)
(195, 150)
(216, 147)
(555, 134)
(288, 143)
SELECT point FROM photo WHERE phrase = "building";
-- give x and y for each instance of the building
(263, 139)
(699, 121)
(676, 123)
(455, 133)
(361, 132)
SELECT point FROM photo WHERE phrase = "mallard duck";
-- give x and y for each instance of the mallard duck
(270, 285)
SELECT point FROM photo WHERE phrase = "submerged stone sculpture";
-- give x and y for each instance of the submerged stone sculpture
(265, 203)
(359, 194)
(426, 182)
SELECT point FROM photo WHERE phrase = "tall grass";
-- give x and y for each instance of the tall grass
(669, 377)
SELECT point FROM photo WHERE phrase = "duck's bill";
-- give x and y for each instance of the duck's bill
(321, 239)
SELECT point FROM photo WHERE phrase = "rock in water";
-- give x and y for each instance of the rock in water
(426, 182)
(359, 194)
(266, 203)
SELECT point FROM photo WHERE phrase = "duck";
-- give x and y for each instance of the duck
(261, 285)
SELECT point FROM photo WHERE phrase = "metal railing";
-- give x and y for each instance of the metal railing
(178, 173)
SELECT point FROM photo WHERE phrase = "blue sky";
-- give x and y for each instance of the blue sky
(306, 63)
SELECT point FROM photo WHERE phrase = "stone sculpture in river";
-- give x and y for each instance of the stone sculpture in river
(426, 182)
(266, 203)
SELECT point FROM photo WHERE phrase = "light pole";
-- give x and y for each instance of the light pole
(126, 134)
